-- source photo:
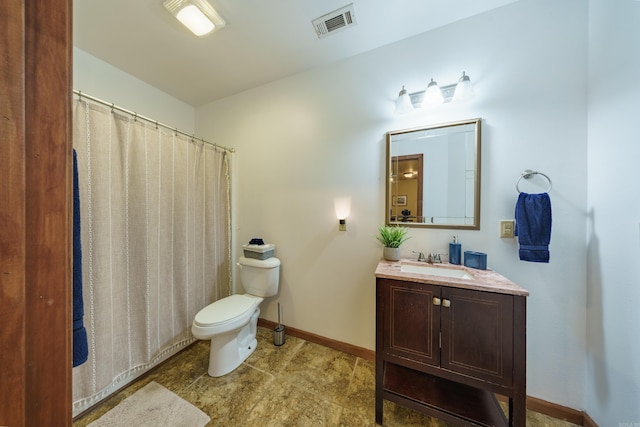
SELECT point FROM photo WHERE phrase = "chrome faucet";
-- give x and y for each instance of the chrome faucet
(421, 256)
(434, 258)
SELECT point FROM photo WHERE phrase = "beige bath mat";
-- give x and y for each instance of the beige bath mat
(153, 406)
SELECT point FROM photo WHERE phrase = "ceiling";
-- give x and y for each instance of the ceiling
(264, 40)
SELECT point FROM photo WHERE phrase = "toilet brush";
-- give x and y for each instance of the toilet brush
(278, 331)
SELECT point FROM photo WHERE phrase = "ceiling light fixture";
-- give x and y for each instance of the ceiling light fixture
(435, 95)
(197, 15)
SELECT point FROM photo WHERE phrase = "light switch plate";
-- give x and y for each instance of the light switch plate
(506, 228)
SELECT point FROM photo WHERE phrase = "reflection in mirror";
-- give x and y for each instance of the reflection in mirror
(434, 176)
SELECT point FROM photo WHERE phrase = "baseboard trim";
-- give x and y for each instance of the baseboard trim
(538, 405)
(556, 411)
(324, 341)
(588, 421)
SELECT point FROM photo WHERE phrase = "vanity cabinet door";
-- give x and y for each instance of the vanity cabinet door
(477, 334)
(411, 323)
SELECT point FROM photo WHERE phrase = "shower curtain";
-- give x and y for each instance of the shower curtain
(155, 229)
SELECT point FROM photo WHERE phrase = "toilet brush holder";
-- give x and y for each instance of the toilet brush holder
(278, 335)
(278, 331)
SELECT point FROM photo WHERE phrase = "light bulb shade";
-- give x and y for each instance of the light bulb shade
(342, 206)
(433, 95)
(197, 15)
(403, 103)
(464, 89)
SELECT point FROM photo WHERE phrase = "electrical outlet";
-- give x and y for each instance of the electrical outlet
(506, 228)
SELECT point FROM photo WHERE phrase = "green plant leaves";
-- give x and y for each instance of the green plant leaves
(392, 236)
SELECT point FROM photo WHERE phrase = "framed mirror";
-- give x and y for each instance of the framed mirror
(433, 176)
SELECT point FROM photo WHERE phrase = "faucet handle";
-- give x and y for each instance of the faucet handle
(435, 257)
(420, 256)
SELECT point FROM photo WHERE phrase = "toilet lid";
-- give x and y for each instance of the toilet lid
(225, 310)
(259, 263)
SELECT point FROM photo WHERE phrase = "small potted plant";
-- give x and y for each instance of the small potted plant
(391, 238)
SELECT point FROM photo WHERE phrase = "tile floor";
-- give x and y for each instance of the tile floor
(298, 384)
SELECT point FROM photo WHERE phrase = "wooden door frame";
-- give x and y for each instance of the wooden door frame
(35, 212)
(419, 158)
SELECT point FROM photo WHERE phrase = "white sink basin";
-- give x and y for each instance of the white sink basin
(435, 271)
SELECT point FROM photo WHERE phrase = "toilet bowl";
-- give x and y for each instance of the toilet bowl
(230, 323)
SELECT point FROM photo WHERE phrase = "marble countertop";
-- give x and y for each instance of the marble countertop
(482, 280)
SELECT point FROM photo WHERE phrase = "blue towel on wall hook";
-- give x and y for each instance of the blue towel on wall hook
(80, 344)
(533, 226)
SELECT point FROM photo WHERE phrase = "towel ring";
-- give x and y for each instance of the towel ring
(527, 174)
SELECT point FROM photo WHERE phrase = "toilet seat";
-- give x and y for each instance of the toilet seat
(226, 310)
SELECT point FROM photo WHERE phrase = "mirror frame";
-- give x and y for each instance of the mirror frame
(388, 191)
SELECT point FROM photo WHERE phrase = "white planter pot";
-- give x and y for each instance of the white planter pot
(391, 254)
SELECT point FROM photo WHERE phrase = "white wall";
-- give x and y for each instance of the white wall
(307, 139)
(613, 332)
(108, 83)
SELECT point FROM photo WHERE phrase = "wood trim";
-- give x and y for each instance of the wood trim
(35, 209)
(588, 421)
(12, 216)
(327, 342)
(48, 211)
(419, 158)
(47, 144)
(554, 410)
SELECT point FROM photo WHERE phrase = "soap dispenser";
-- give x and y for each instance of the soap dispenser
(455, 250)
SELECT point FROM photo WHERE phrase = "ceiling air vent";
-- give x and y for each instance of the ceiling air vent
(334, 21)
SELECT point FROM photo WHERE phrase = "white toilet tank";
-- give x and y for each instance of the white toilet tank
(260, 277)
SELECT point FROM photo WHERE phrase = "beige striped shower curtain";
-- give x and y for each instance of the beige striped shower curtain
(155, 227)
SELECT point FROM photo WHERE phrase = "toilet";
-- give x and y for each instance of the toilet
(230, 323)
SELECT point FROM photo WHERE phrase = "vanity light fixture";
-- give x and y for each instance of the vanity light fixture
(197, 15)
(435, 95)
(464, 89)
(342, 206)
(403, 103)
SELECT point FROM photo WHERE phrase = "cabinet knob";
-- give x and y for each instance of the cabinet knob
(446, 303)
(436, 301)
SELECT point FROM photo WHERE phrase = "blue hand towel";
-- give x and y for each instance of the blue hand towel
(80, 345)
(533, 226)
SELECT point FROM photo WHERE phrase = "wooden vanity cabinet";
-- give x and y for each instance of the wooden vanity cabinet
(447, 351)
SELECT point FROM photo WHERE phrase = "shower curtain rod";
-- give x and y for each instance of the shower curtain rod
(81, 95)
